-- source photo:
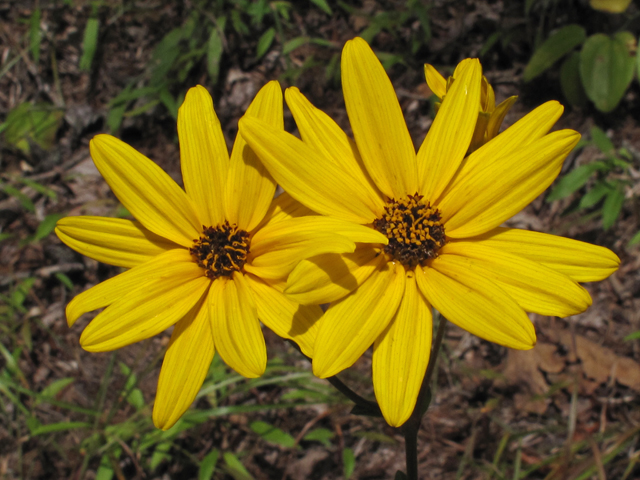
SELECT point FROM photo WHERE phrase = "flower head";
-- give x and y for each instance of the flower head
(490, 116)
(211, 259)
(439, 212)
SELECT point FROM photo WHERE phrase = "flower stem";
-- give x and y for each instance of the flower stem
(353, 396)
(412, 425)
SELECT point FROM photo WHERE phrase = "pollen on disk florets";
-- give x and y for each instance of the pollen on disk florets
(414, 230)
(221, 250)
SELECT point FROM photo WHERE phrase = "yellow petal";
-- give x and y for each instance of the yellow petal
(283, 207)
(285, 317)
(116, 288)
(496, 193)
(401, 355)
(250, 188)
(235, 326)
(497, 117)
(115, 241)
(203, 155)
(533, 286)
(474, 303)
(580, 261)
(151, 196)
(436, 82)
(319, 131)
(377, 121)
(352, 324)
(148, 310)
(185, 366)
(329, 277)
(309, 177)
(450, 134)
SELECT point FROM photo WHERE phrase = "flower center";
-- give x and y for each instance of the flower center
(414, 230)
(221, 250)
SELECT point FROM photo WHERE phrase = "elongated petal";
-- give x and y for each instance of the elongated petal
(401, 355)
(580, 261)
(377, 121)
(480, 203)
(437, 83)
(250, 187)
(148, 310)
(319, 131)
(533, 286)
(204, 157)
(329, 277)
(283, 207)
(309, 177)
(116, 241)
(185, 366)
(151, 196)
(235, 326)
(497, 117)
(475, 303)
(285, 317)
(352, 324)
(118, 287)
(525, 131)
(450, 134)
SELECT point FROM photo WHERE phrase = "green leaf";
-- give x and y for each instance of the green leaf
(32, 123)
(635, 335)
(553, 49)
(160, 454)
(25, 201)
(34, 35)
(265, 42)
(594, 195)
(400, 475)
(56, 387)
(348, 462)
(235, 468)
(606, 69)
(89, 43)
(612, 207)
(601, 140)
(574, 180)
(322, 435)
(134, 397)
(59, 427)
(208, 465)
(294, 43)
(570, 82)
(214, 55)
(46, 226)
(323, 5)
(634, 240)
(273, 434)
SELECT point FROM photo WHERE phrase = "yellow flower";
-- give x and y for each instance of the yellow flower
(211, 259)
(440, 214)
(490, 116)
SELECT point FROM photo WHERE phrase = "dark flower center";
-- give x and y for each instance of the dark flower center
(414, 230)
(221, 250)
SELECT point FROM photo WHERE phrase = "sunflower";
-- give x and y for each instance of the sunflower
(440, 214)
(490, 116)
(211, 259)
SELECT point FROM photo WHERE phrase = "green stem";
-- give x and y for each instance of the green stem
(412, 425)
(351, 395)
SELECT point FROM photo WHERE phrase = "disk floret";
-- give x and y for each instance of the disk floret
(414, 230)
(221, 250)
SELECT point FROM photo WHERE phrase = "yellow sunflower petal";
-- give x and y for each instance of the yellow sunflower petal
(450, 134)
(436, 82)
(329, 277)
(250, 187)
(319, 131)
(377, 121)
(535, 287)
(497, 117)
(352, 324)
(309, 177)
(283, 207)
(235, 326)
(116, 288)
(115, 241)
(185, 366)
(148, 310)
(203, 155)
(401, 355)
(475, 304)
(285, 317)
(151, 196)
(580, 261)
(480, 203)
